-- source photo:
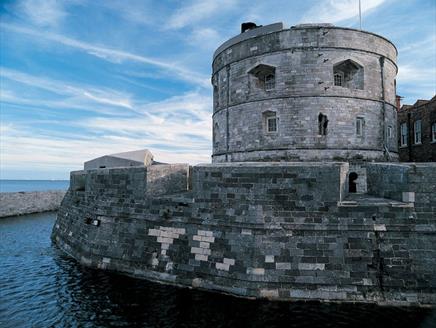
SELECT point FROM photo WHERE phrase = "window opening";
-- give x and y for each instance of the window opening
(270, 82)
(348, 74)
(338, 79)
(403, 132)
(352, 185)
(271, 124)
(322, 124)
(417, 130)
(359, 126)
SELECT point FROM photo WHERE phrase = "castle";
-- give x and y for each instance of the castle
(304, 199)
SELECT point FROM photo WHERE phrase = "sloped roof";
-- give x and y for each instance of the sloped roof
(143, 155)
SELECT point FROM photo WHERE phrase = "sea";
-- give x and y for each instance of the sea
(42, 287)
(32, 185)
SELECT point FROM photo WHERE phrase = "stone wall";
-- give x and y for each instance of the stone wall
(303, 59)
(280, 231)
(20, 203)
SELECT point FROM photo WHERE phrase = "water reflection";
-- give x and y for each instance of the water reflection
(41, 287)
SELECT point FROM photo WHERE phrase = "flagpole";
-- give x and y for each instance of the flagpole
(360, 15)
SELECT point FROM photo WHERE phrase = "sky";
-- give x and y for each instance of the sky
(84, 78)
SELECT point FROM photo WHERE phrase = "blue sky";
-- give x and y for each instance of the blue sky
(85, 78)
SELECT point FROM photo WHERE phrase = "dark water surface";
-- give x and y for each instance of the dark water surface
(32, 185)
(40, 287)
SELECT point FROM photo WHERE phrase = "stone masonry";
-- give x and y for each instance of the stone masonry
(300, 63)
(293, 224)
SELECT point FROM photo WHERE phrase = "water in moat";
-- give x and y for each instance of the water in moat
(41, 287)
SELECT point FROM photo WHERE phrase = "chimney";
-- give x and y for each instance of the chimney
(248, 26)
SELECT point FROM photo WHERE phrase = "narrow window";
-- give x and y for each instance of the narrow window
(271, 124)
(389, 132)
(338, 79)
(322, 124)
(417, 130)
(433, 132)
(352, 185)
(270, 82)
(359, 126)
(215, 135)
(403, 131)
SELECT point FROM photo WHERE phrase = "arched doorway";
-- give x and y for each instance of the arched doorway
(352, 185)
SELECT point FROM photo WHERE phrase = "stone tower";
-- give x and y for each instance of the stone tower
(313, 92)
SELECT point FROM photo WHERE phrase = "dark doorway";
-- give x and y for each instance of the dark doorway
(352, 186)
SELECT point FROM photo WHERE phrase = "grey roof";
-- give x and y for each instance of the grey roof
(143, 155)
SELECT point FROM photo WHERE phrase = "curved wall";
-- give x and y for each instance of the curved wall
(303, 59)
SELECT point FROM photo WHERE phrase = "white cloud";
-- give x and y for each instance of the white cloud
(410, 73)
(79, 94)
(198, 10)
(333, 11)
(115, 55)
(43, 12)
(206, 38)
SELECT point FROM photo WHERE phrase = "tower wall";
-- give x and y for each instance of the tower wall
(303, 60)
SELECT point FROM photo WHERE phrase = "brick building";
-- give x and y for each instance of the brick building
(417, 131)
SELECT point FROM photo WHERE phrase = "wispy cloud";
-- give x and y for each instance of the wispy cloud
(332, 11)
(84, 93)
(42, 12)
(198, 10)
(114, 55)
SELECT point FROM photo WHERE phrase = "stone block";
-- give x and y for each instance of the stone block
(311, 266)
(408, 197)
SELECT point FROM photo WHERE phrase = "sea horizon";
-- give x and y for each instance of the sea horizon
(26, 185)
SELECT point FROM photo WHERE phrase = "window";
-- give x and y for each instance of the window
(433, 132)
(322, 124)
(263, 76)
(348, 74)
(271, 124)
(359, 126)
(389, 132)
(270, 82)
(215, 135)
(338, 79)
(417, 131)
(403, 132)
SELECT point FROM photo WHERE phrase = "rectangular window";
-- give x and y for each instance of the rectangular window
(359, 126)
(271, 124)
(403, 133)
(433, 132)
(417, 131)
(270, 82)
(338, 79)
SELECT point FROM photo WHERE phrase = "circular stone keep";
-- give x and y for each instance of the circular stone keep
(308, 93)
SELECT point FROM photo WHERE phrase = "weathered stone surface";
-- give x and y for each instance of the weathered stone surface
(274, 230)
(303, 59)
(19, 203)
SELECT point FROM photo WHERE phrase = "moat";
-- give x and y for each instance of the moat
(41, 287)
